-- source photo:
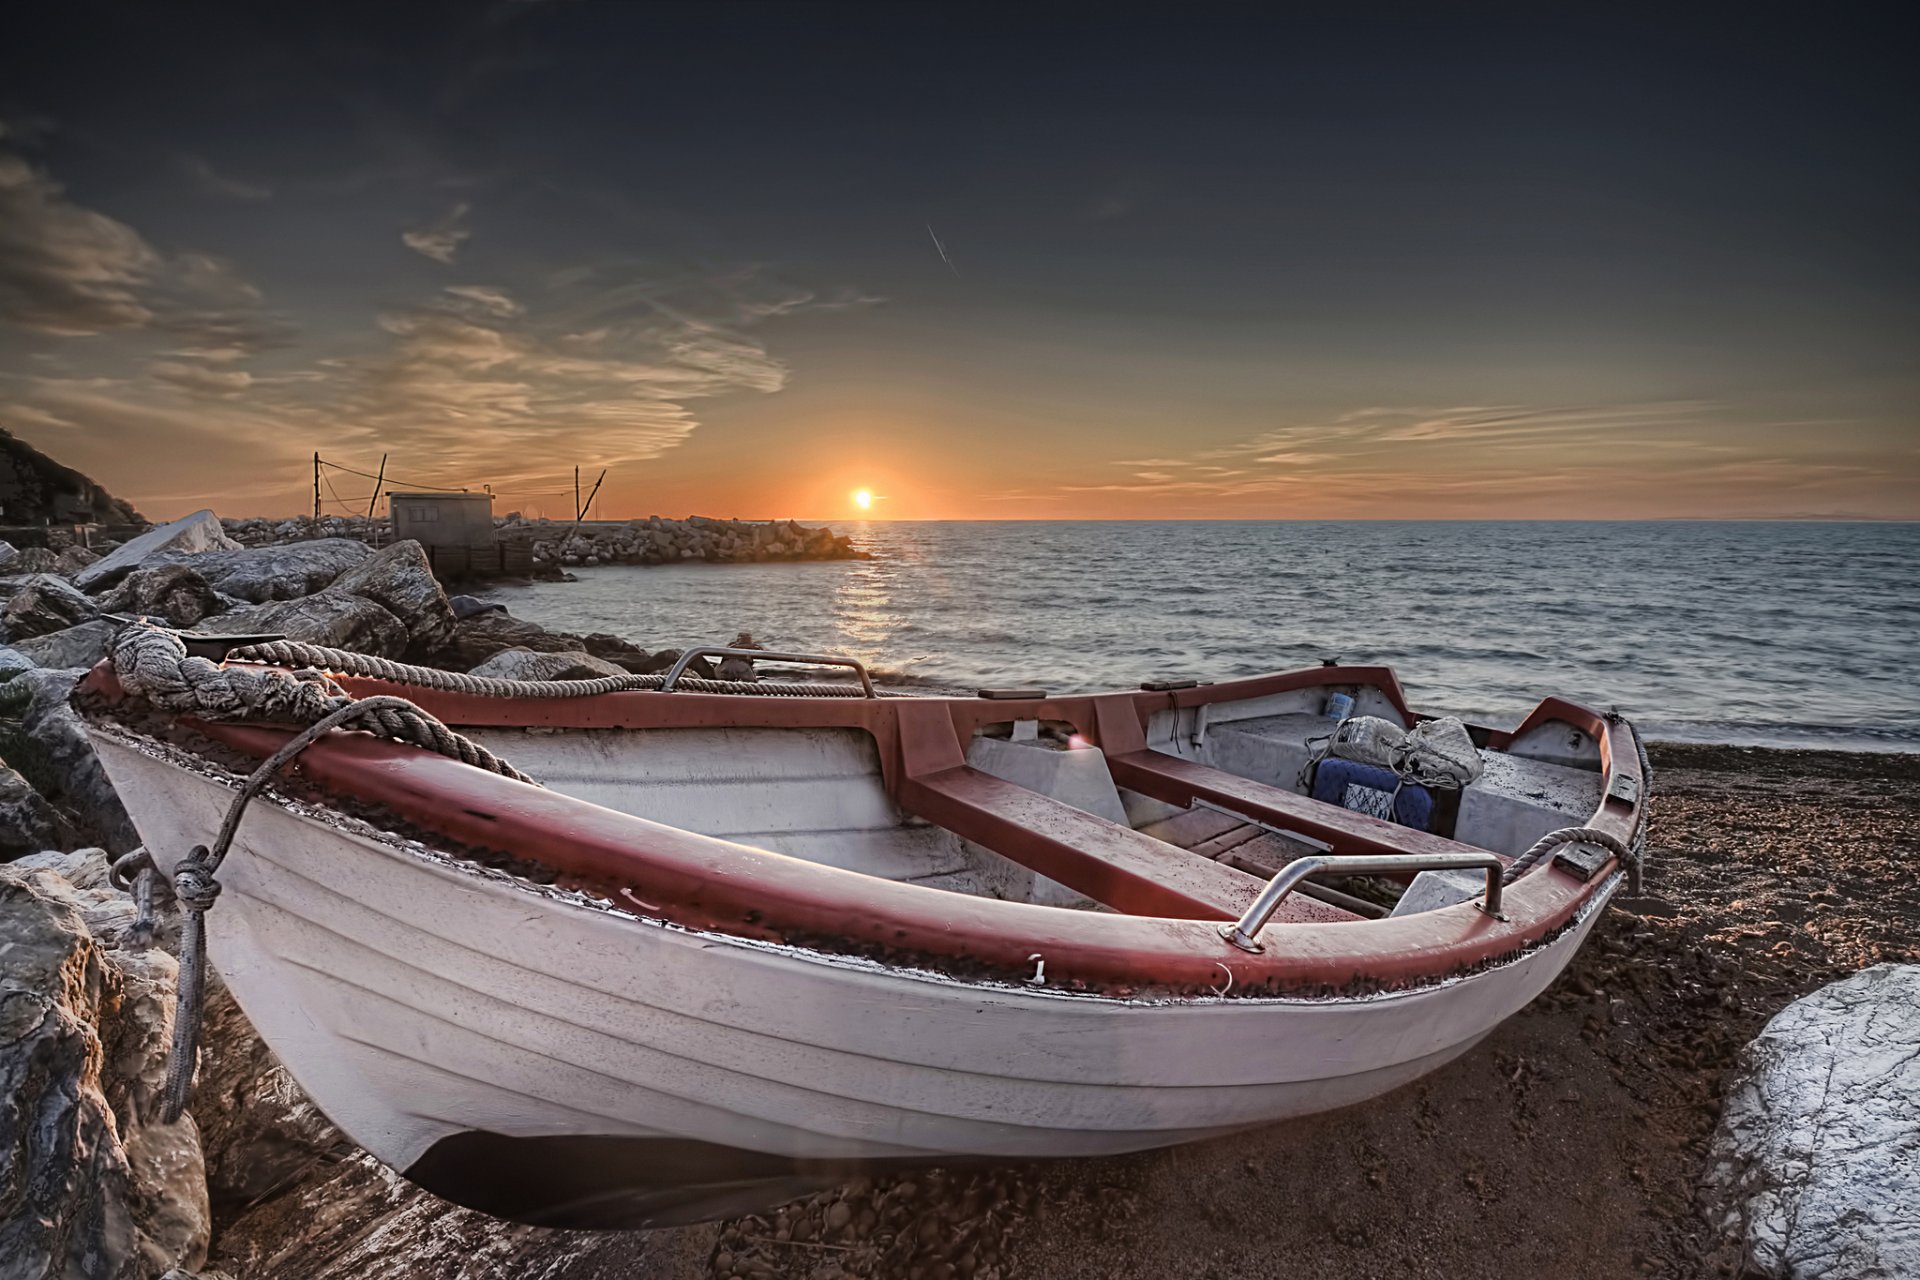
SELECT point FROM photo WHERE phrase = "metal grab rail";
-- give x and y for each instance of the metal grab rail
(726, 651)
(1243, 932)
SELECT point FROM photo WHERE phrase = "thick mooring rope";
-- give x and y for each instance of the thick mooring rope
(153, 664)
(1632, 853)
(1553, 840)
(294, 653)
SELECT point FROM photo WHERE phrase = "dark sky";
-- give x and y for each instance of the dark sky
(1197, 261)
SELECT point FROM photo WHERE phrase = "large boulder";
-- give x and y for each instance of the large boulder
(331, 618)
(400, 580)
(261, 574)
(90, 1183)
(80, 646)
(7, 552)
(189, 535)
(13, 661)
(480, 636)
(72, 560)
(525, 664)
(67, 769)
(172, 593)
(27, 822)
(627, 655)
(45, 603)
(1817, 1160)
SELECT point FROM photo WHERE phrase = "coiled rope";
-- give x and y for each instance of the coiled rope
(294, 653)
(153, 664)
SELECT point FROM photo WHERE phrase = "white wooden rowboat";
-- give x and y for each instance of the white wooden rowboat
(764, 942)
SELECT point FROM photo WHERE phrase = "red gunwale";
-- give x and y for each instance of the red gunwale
(711, 884)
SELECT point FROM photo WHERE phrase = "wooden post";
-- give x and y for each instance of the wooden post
(589, 504)
(316, 493)
(576, 495)
(377, 481)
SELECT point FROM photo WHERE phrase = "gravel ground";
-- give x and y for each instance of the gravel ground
(1571, 1143)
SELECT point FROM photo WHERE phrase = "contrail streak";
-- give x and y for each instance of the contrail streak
(943, 251)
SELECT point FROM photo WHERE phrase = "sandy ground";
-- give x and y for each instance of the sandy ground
(1571, 1143)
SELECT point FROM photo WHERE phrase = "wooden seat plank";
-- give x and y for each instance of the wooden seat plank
(1175, 781)
(1112, 864)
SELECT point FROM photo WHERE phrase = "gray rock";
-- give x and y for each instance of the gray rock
(734, 668)
(68, 770)
(188, 535)
(33, 560)
(1817, 1160)
(482, 635)
(630, 656)
(261, 574)
(525, 664)
(173, 593)
(399, 580)
(12, 660)
(7, 552)
(469, 606)
(45, 603)
(80, 646)
(332, 618)
(27, 821)
(94, 1189)
(72, 560)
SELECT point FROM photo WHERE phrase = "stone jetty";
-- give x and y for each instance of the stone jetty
(556, 545)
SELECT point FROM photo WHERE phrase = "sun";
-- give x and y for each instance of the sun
(863, 499)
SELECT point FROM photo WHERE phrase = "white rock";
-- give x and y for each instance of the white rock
(188, 535)
(1817, 1159)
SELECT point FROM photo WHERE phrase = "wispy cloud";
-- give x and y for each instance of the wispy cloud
(70, 271)
(224, 185)
(1483, 460)
(443, 239)
(495, 302)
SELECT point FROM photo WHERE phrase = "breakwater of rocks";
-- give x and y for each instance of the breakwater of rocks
(555, 545)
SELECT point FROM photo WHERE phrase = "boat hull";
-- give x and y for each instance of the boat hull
(542, 1057)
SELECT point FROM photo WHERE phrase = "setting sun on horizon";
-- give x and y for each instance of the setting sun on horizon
(863, 499)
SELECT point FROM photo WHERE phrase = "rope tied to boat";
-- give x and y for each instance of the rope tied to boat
(153, 664)
(296, 653)
(1547, 843)
(1631, 852)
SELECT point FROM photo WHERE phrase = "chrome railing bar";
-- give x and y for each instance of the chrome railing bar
(725, 651)
(1244, 933)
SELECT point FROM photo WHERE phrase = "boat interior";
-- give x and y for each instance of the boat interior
(1178, 802)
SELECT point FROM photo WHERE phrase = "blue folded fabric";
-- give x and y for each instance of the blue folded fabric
(1366, 788)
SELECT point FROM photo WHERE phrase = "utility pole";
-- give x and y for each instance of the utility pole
(590, 493)
(377, 482)
(576, 495)
(316, 493)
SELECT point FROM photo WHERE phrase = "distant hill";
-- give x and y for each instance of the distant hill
(35, 490)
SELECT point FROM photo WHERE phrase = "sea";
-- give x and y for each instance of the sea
(1747, 633)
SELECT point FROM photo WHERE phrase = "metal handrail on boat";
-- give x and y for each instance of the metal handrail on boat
(727, 651)
(1244, 931)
